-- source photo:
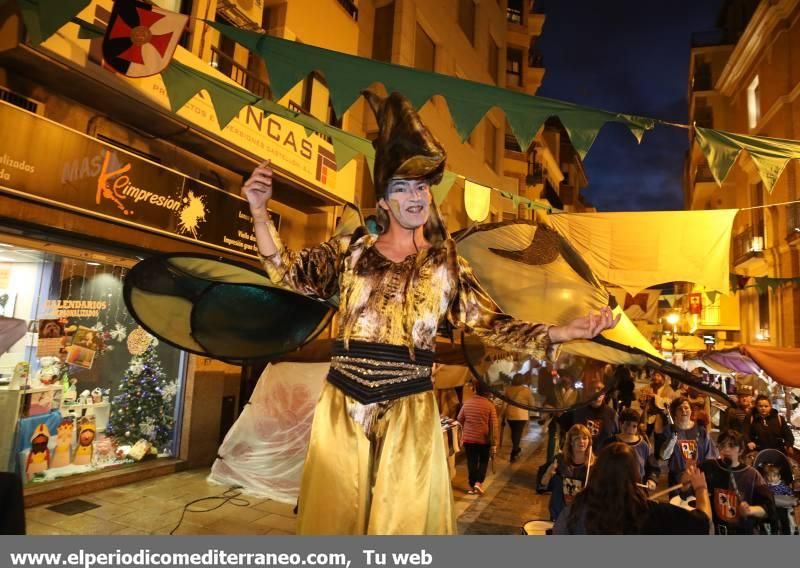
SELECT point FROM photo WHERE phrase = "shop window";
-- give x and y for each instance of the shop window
(424, 51)
(90, 388)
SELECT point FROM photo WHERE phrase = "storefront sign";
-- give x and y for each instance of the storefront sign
(43, 160)
(288, 146)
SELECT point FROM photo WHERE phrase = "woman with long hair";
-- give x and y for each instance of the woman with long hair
(570, 469)
(615, 503)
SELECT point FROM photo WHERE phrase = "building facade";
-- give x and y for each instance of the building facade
(745, 78)
(98, 173)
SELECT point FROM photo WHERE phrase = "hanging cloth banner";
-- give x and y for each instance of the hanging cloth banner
(477, 200)
(637, 250)
(290, 62)
(769, 155)
(641, 306)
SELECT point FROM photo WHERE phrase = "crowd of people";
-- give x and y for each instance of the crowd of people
(606, 459)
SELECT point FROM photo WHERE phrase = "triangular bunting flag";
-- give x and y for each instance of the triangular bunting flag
(441, 189)
(43, 19)
(720, 152)
(769, 168)
(582, 127)
(182, 83)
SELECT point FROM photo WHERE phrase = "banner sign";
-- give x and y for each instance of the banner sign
(43, 160)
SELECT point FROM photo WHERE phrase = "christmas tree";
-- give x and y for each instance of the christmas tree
(145, 407)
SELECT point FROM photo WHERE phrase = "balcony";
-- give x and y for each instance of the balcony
(514, 13)
(535, 174)
(535, 58)
(748, 246)
(511, 143)
(702, 79)
(225, 64)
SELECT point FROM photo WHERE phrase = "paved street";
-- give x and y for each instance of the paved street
(154, 506)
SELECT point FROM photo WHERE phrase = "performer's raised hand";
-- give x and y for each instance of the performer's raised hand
(585, 327)
(258, 189)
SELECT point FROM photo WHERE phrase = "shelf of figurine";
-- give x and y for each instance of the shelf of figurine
(76, 449)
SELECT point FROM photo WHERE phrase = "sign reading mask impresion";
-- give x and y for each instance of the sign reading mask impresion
(45, 161)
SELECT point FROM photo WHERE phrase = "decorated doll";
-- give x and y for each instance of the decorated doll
(39, 456)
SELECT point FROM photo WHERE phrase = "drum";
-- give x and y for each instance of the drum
(537, 528)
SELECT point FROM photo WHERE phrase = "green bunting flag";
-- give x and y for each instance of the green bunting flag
(441, 189)
(183, 83)
(347, 76)
(43, 18)
(769, 155)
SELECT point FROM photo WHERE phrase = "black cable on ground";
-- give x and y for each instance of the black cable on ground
(230, 496)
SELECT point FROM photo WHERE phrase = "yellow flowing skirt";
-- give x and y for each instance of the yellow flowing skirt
(394, 481)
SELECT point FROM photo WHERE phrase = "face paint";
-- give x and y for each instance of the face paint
(409, 202)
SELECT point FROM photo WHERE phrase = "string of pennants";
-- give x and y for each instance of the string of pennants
(289, 62)
(739, 282)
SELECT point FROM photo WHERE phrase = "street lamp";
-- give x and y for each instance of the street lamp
(673, 319)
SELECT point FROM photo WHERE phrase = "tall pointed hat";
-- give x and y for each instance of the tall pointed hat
(406, 149)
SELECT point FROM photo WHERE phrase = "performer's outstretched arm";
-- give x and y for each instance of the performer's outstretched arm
(475, 310)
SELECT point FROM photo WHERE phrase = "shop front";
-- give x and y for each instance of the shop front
(87, 390)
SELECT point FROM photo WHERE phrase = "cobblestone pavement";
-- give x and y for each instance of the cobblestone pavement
(510, 499)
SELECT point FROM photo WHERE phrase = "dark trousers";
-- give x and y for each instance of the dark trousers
(12, 513)
(477, 462)
(517, 427)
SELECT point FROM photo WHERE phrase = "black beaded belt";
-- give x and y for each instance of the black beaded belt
(376, 372)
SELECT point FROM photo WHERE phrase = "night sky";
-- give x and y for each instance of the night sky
(628, 56)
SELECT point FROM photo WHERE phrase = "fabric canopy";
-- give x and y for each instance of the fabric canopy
(684, 343)
(534, 275)
(780, 363)
(636, 250)
(733, 360)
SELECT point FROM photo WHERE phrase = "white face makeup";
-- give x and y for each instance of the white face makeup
(408, 201)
